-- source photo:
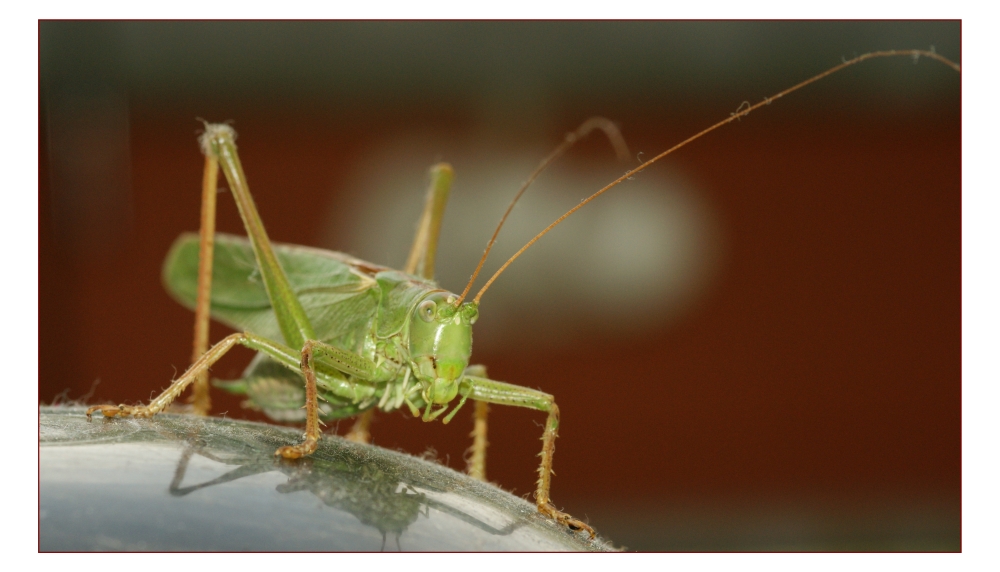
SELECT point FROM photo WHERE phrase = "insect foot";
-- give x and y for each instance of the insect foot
(111, 411)
(307, 447)
(564, 519)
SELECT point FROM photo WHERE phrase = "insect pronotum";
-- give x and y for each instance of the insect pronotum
(359, 336)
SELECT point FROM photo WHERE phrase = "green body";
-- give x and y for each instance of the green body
(358, 307)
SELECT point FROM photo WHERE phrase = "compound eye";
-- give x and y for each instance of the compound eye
(426, 310)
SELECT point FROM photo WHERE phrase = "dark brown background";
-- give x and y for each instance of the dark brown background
(809, 398)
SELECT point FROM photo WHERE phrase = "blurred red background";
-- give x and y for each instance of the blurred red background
(807, 397)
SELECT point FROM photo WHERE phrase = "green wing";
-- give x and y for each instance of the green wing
(338, 292)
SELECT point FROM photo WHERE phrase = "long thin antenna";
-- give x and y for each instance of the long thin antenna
(741, 112)
(617, 141)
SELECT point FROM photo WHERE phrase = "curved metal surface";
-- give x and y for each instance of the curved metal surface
(183, 483)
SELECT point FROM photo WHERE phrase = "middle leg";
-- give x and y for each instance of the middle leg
(333, 357)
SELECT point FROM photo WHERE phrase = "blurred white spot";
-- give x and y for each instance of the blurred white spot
(631, 260)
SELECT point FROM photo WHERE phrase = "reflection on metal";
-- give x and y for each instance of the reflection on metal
(376, 497)
(118, 485)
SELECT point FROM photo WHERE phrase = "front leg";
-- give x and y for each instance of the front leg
(476, 467)
(486, 390)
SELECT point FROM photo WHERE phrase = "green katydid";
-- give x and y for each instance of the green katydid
(356, 335)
